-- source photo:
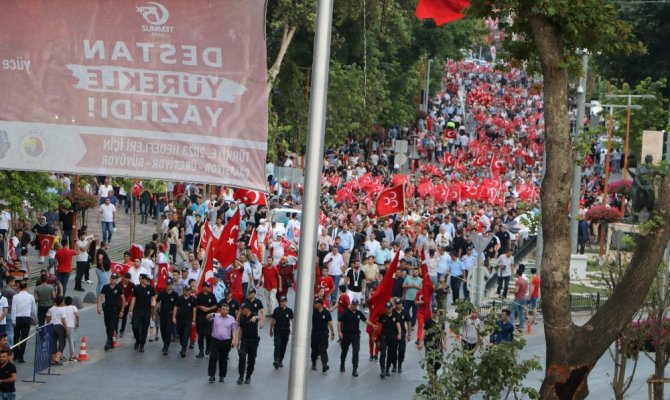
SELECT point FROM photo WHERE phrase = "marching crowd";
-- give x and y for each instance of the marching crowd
(478, 171)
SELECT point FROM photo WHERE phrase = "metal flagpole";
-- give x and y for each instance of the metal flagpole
(297, 384)
(577, 178)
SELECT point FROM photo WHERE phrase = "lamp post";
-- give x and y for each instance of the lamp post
(480, 241)
(577, 178)
(427, 88)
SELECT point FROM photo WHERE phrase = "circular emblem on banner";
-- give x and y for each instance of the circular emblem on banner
(32, 146)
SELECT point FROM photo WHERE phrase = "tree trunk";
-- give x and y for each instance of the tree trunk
(659, 365)
(287, 37)
(572, 351)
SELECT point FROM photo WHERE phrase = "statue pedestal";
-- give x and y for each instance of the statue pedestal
(578, 267)
(619, 227)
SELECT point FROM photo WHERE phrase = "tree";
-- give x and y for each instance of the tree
(34, 187)
(546, 34)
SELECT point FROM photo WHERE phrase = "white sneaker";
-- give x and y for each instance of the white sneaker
(89, 281)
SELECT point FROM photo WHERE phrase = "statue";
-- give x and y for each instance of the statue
(643, 185)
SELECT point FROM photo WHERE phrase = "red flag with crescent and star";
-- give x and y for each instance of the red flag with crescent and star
(163, 274)
(225, 249)
(251, 197)
(46, 242)
(205, 235)
(253, 244)
(119, 268)
(390, 201)
(378, 299)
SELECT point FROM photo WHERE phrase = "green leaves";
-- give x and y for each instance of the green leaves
(34, 187)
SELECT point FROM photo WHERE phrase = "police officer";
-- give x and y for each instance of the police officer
(205, 304)
(183, 316)
(405, 327)
(256, 306)
(350, 334)
(141, 309)
(113, 307)
(280, 328)
(167, 300)
(247, 346)
(322, 322)
(389, 334)
(233, 305)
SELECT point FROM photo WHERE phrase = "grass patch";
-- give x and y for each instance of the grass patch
(576, 288)
(592, 266)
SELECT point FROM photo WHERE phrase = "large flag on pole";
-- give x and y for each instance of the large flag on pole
(441, 11)
(46, 242)
(391, 201)
(382, 294)
(225, 249)
(253, 244)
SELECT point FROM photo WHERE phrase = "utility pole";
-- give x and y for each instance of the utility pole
(480, 241)
(427, 87)
(577, 178)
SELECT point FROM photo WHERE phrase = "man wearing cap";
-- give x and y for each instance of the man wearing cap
(405, 333)
(322, 322)
(113, 307)
(256, 306)
(183, 316)
(141, 309)
(280, 329)
(205, 304)
(223, 338)
(350, 334)
(247, 345)
(167, 300)
(389, 335)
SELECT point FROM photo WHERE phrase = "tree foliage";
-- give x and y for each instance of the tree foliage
(34, 187)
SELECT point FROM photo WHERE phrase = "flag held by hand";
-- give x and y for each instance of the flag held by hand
(391, 201)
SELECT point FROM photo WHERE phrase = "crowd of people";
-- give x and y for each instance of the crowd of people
(480, 147)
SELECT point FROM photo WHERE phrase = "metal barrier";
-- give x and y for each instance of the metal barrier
(578, 303)
(42, 362)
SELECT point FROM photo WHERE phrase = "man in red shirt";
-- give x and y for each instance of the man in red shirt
(534, 293)
(271, 283)
(343, 302)
(127, 286)
(63, 259)
(235, 281)
(324, 281)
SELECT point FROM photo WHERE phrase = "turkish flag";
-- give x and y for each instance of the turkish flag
(225, 249)
(46, 242)
(251, 197)
(440, 193)
(163, 274)
(253, 244)
(454, 193)
(425, 188)
(206, 235)
(136, 251)
(366, 179)
(497, 166)
(381, 295)
(207, 273)
(469, 191)
(287, 244)
(12, 257)
(427, 285)
(449, 159)
(119, 269)
(390, 201)
(479, 161)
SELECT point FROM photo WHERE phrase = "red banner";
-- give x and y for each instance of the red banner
(119, 269)
(157, 89)
(390, 201)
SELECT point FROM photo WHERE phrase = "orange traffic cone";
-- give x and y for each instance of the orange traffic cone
(82, 352)
(115, 341)
(529, 330)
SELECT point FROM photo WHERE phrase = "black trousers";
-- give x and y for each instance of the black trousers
(42, 314)
(21, 331)
(58, 339)
(281, 342)
(124, 319)
(184, 332)
(320, 346)
(204, 329)
(247, 354)
(455, 282)
(387, 351)
(355, 342)
(140, 323)
(219, 350)
(82, 271)
(165, 322)
(503, 283)
(111, 315)
(401, 345)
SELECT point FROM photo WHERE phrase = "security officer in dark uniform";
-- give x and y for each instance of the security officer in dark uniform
(350, 334)
(389, 334)
(280, 328)
(167, 300)
(247, 345)
(183, 316)
(113, 307)
(322, 322)
(141, 309)
(401, 345)
(233, 305)
(205, 304)
(255, 305)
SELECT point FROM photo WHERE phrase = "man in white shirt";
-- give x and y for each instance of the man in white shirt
(107, 216)
(136, 271)
(103, 191)
(335, 264)
(83, 243)
(505, 264)
(371, 245)
(24, 311)
(5, 221)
